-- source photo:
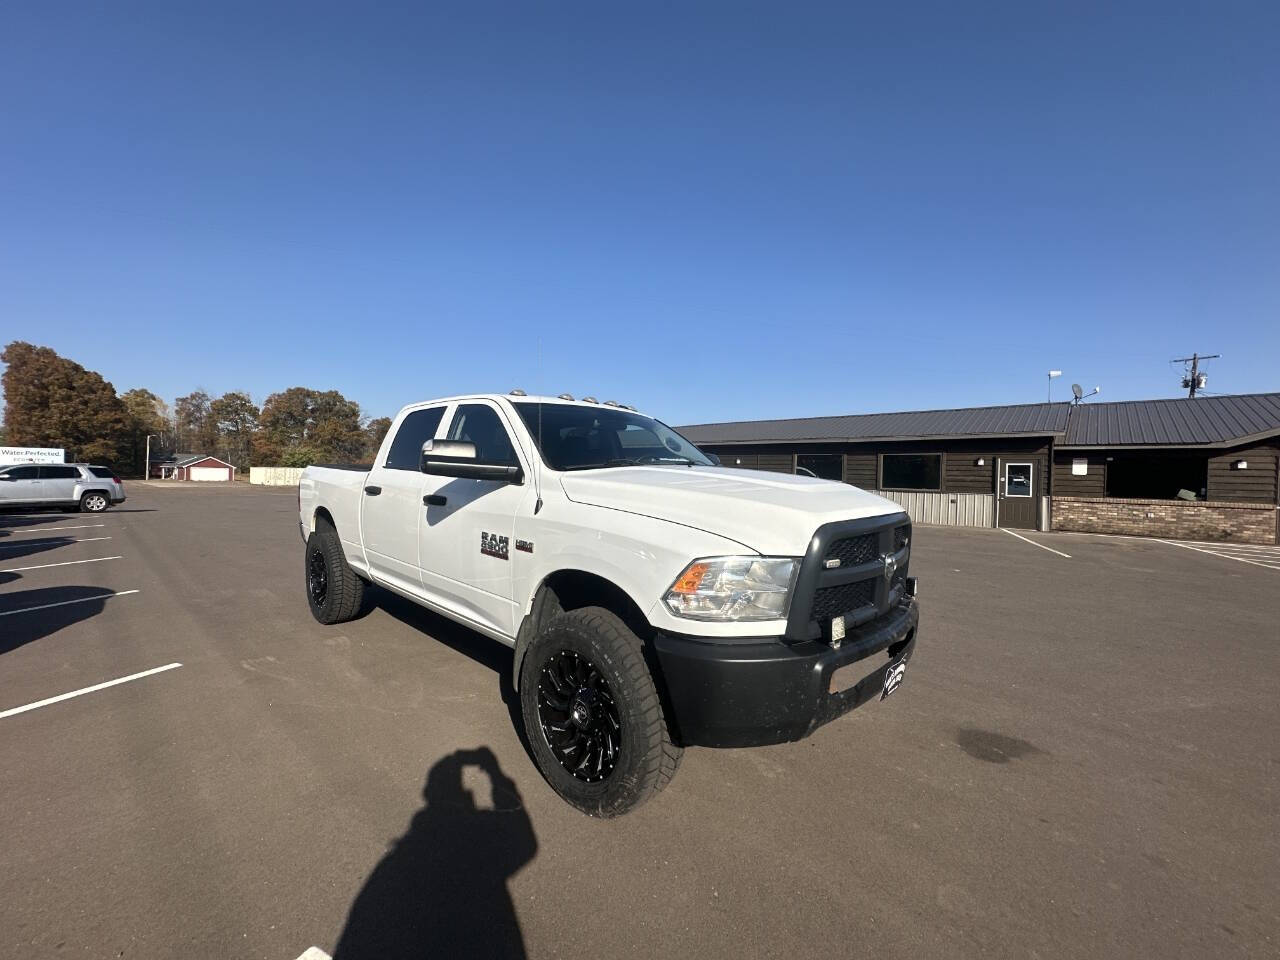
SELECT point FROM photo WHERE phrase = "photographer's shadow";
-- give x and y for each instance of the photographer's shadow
(441, 891)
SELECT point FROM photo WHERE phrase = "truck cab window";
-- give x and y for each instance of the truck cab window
(479, 424)
(416, 429)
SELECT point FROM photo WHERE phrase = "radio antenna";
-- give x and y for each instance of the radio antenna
(537, 465)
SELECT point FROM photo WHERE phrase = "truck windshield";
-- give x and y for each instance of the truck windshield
(573, 437)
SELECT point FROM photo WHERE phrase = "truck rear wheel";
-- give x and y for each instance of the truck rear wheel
(335, 592)
(593, 716)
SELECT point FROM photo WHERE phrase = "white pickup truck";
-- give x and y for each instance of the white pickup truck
(653, 598)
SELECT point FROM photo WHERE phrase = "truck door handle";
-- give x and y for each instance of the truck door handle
(434, 500)
(373, 491)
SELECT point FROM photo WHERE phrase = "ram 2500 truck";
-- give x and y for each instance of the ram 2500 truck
(653, 599)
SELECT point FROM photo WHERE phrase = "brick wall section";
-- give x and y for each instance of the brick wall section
(1174, 519)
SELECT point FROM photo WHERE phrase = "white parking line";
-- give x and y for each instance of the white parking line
(81, 692)
(64, 563)
(1263, 548)
(79, 526)
(1215, 553)
(1034, 544)
(63, 603)
(59, 541)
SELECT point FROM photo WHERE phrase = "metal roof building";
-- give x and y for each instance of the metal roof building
(1103, 467)
(1206, 420)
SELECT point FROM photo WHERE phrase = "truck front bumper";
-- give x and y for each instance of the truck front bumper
(771, 691)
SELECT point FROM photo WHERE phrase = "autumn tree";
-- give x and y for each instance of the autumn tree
(194, 424)
(148, 416)
(301, 424)
(51, 401)
(374, 431)
(235, 417)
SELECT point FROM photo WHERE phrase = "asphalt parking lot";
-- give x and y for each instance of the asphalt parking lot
(1082, 762)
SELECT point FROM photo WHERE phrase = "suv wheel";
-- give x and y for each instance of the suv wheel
(94, 502)
(593, 716)
(335, 592)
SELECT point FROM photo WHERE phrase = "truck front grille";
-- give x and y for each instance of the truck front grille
(831, 602)
(901, 536)
(852, 551)
(846, 574)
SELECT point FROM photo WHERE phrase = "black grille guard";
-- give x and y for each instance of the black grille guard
(814, 575)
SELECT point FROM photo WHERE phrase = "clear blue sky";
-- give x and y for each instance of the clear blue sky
(712, 211)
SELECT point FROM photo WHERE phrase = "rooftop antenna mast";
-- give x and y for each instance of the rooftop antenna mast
(1194, 380)
(1052, 374)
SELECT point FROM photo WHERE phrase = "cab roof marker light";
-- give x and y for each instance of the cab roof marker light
(517, 392)
(564, 396)
(590, 400)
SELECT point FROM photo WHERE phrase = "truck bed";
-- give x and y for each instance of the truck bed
(338, 488)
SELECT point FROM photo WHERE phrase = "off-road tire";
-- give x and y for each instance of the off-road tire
(95, 501)
(342, 597)
(647, 758)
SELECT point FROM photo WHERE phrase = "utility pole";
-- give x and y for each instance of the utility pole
(1195, 380)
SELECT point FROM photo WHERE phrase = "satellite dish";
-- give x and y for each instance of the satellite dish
(1077, 390)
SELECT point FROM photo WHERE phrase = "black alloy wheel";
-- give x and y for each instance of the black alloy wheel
(595, 723)
(317, 576)
(335, 593)
(579, 717)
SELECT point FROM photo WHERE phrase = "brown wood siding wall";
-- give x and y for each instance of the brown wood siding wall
(731, 458)
(1066, 484)
(860, 470)
(1255, 484)
(777, 462)
(961, 473)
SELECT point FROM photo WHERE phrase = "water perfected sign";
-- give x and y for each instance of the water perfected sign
(32, 455)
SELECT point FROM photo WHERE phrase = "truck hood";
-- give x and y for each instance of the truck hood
(775, 514)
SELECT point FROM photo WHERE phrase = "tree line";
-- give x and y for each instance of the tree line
(51, 401)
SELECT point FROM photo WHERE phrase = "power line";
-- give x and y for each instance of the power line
(1195, 380)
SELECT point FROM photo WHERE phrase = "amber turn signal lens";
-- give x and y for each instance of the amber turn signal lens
(691, 579)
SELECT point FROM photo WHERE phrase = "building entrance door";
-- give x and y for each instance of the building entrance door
(1015, 496)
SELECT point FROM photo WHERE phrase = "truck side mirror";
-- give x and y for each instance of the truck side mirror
(715, 461)
(457, 458)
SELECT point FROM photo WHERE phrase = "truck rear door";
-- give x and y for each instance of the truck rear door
(391, 508)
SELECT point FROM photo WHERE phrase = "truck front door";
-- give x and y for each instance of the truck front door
(467, 543)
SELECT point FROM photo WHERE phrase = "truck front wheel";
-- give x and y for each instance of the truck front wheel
(593, 715)
(335, 592)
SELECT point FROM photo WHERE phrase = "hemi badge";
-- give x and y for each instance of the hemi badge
(832, 563)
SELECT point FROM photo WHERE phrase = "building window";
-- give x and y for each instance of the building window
(824, 466)
(1157, 477)
(911, 471)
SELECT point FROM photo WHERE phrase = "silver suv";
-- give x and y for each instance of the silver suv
(87, 486)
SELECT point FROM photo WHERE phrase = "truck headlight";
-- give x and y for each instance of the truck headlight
(733, 588)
